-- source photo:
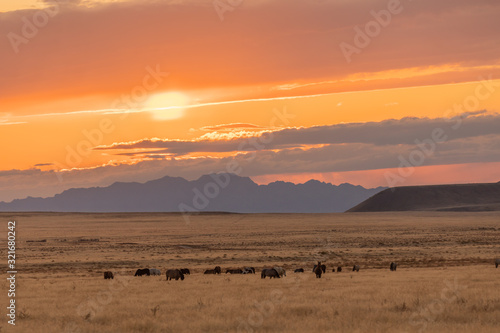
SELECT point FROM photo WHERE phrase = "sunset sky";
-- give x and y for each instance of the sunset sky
(370, 92)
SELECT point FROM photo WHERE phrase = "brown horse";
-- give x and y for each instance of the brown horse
(318, 270)
(216, 270)
(271, 272)
(323, 268)
(174, 274)
(234, 271)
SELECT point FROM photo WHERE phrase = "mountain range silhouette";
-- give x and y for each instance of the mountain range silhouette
(209, 193)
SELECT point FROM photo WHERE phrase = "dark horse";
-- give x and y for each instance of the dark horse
(393, 266)
(216, 270)
(141, 272)
(174, 274)
(318, 270)
(355, 268)
(323, 268)
(234, 271)
(339, 269)
(108, 275)
(249, 270)
(271, 272)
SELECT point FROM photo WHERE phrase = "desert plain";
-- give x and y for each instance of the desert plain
(446, 279)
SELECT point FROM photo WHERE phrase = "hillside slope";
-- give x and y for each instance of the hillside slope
(459, 197)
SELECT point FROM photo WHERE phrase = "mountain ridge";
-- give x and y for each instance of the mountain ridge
(212, 192)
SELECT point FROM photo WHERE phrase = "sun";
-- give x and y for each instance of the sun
(167, 106)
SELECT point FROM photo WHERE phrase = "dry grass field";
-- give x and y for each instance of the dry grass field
(446, 280)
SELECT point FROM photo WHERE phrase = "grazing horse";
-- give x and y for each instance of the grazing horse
(154, 271)
(234, 271)
(108, 275)
(141, 272)
(185, 271)
(339, 269)
(271, 272)
(281, 271)
(318, 270)
(249, 270)
(174, 274)
(393, 266)
(333, 269)
(299, 270)
(497, 262)
(355, 268)
(216, 270)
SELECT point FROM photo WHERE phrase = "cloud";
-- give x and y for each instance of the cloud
(43, 164)
(106, 47)
(13, 123)
(230, 127)
(329, 158)
(405, 131)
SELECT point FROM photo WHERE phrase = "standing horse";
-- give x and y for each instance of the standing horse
(174, 274)
(323, 268)
(216, 270)
(318, 270)
(271, 272)
(234, 271)
(281, 271)
(141, 272)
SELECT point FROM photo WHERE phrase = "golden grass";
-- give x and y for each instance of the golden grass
(446, 280)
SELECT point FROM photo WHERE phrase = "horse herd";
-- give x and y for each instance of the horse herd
(275, 272)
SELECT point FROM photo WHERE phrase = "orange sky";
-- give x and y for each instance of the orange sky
(109, 88)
